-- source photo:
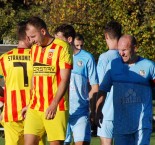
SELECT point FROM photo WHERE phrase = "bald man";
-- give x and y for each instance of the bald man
(130, 76)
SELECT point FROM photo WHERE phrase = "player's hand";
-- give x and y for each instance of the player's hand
(51, 110)
(92, 117)
(99, 115)
(24, 110)
(99, 106)
(99, 118)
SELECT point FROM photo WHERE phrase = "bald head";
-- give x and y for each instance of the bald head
(127, 48)
(128, 39)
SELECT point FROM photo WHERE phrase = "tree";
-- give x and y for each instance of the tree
(89, 18)
(12, 12)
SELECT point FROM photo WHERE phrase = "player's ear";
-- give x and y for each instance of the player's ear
(135, 48)
(43, 31)
(106, 36)
(70, 39)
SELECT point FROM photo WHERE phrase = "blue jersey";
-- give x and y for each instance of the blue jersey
(103, 61)
(83, 73)
(132, 94)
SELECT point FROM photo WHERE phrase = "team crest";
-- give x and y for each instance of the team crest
(142, 72)
(50, 54)
(80, 63)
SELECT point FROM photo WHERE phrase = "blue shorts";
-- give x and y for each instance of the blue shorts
(140, 137)
(80, 128)
(106, 129)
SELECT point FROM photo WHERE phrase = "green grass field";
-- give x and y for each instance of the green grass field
(94, 141)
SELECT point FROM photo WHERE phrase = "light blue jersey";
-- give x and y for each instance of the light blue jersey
(132, 94)
(103, 61)
(84, 72)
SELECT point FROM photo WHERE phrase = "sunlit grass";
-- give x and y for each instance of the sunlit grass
(94, 141)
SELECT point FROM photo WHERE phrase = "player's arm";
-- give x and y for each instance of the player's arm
(1, 96)
(99, 105)
(104, 87)
(92, 96)
(94, 90)
(153, 89)
(63, 85)
(1, 100)
(24, 110)
(1, 88)
(152, 81)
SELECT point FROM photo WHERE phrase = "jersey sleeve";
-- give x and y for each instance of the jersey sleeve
(107, 83)
(92, 72)
(101, 67)
(66, 58)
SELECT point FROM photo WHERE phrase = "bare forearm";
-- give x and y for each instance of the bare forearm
(94, 90)
(63, 86)
(100, 100)
(65, 78)
(93, 98)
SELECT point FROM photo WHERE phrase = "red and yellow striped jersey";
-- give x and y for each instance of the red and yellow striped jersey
(16, 67)
(47, 63)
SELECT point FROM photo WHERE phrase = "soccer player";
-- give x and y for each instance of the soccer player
(112, 34)
(52, 64)
(132, 77)
(79, 41)
(16, 68)
(84, 70)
